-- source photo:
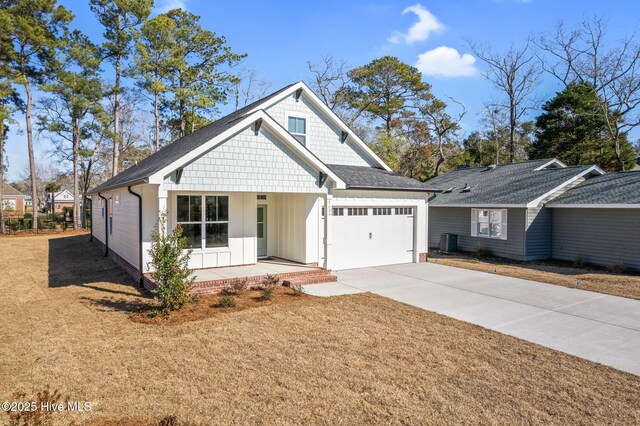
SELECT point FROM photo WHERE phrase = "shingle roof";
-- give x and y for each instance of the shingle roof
(612, 188)
(509, 184)
(8, 190)
(179, 148)
(363, 177)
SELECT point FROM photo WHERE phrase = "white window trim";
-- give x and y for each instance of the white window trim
(307, 120)
(203, 222)
(503, 227)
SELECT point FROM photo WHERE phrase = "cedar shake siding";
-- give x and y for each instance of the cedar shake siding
(601, 236)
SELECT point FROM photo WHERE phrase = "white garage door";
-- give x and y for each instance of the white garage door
(372, 236)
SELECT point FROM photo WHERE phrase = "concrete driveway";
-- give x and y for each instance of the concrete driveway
(598, 327)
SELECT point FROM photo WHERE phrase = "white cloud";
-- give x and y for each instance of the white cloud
(164, 6)
(446, 61)
(420, 31)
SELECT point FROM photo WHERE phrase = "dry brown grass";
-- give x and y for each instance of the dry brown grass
(359, 359)
(551, 272)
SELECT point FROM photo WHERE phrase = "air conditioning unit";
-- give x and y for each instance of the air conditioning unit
(448, 243)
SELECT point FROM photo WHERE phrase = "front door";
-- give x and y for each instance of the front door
(262, 231)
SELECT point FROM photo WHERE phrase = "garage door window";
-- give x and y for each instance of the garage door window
(357, 211)
(338, 211)
(404, 211)
(489, 223)
(381, 211)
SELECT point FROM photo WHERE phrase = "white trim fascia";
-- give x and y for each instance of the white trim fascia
(159, 176)
(591, 169)
(547, 164)
(481, 206)
(328, 112)
(593, 206)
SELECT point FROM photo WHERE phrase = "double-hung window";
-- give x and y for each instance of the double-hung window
(297, 126)
(204, 228)
(489, 223)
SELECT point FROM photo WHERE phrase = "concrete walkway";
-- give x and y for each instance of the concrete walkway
(594, 326)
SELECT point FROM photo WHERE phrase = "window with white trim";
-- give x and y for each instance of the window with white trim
(357, 211)
(297, 126)
(489, 223)
(208, 230)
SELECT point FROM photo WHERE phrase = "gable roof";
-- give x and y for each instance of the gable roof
(363, 177)
(613, 189)
(517, 184)
(179, 148)
(10, 191)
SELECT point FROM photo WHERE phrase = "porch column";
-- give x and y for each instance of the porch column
(162, 208)
(328, 229)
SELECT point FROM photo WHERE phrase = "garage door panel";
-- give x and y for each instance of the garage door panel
(372, 240)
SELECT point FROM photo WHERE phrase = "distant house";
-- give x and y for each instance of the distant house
(598, 221)
(502, 208)
(62, 199)
(12, 199)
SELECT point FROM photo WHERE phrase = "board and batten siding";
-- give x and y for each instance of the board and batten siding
(601, 236)
(323, 137)
(457, 220)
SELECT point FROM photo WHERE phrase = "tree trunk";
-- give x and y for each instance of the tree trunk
(76, 187)
(157, 119)
(1, 176)
(32, 160)
(512, 133)
(116, 120)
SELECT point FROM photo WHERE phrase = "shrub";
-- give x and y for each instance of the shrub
(298, 290)
(170, 263)
(36, 415)
(227, 301)
(237, 286)
(484, 252)
(617, 268)
(268, 285)
(169, 421)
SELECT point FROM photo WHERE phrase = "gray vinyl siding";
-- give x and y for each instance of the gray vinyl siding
(599, 236)
(457, 220)
(538, 234)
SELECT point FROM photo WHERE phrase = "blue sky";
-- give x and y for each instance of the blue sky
(280, 37)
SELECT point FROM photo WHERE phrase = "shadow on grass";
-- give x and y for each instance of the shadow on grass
(129, 305)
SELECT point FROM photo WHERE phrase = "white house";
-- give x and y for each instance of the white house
(282, 177)
(63, 198)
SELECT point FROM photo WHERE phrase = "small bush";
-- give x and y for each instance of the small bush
(169, 421)
(170, 263)
(35, 415)
(298, 290)
(268, 285)
(484, 252)
(227, 301)
(237, 286)
(617, 268)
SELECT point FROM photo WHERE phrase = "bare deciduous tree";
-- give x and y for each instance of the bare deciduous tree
(581, 55)
(515, 74)
(249, 88)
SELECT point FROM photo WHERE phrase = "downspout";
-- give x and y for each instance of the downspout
(106, 225)
(90, 201)
(139, 197)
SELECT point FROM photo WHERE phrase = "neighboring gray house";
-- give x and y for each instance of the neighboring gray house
(598, 221)
(502, 208)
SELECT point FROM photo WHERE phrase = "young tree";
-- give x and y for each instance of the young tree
(250, 87)
(32, 32)
(515, 74)
(152, 62)
(572, 129)
(120, 18)
(197, 80)
(76, 91)
(581, 56)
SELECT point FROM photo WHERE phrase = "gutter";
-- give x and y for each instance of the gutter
(365, 188)
(106, 225)
(139, 197)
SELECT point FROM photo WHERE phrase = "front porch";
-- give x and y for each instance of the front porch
(213, 280)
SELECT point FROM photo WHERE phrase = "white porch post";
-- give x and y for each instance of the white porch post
(162, 207)
(328, 229)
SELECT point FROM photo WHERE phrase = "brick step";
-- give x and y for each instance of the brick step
(311, 279)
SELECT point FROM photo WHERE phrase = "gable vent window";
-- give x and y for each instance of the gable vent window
(357, 211)
(338, 211)
(381, 211)
(404, 211)
(262, 196)
(297, 126)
